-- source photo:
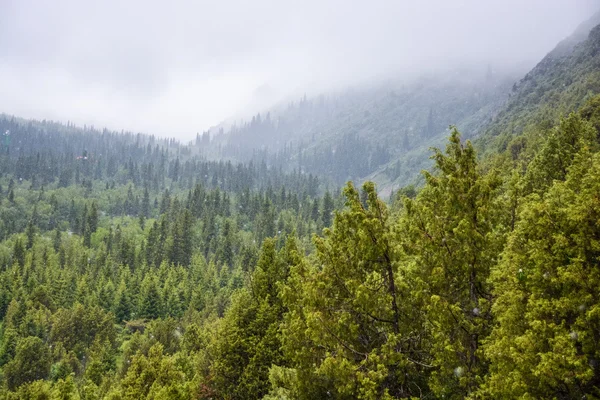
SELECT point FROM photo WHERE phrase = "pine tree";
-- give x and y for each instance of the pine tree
(87, 235)
(225, 251)
(248, 342)
(546, 342)
(314, 214)
(122, 303)
(146, 203)
(92, 218)
(448, 234)
(30, 233)
(31, 362)
(328, 208)
(19, 253)
(150, 300)
(352, 329)
(556, 155)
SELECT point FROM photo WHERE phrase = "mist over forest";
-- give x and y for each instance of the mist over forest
(300, 200)
(179, 69)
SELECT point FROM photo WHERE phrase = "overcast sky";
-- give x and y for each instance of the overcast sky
(178, 67)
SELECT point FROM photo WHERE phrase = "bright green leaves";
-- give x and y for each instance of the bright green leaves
(553, 160)
(247, 342)
(79, 327)
(31, 362)
(546, 341)
(398, 308)
(448, 234)
(155, 376)
(351, 331)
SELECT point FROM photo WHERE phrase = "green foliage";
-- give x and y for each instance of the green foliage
(81, 272)
(78, 328)
(350, 331)
(452, 233)
(248, 343)
(154, 376)
(30, 363)
(556, 155)
(133, 268)
(546, 340)
(380, 132)
(151, 300)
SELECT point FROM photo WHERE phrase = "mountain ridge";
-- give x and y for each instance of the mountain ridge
(395, 125)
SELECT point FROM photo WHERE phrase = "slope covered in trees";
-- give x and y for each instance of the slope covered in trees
(133, 268)
(104, 235)
(383, 133)
(385, 130)
(562, 82)
(484, 284)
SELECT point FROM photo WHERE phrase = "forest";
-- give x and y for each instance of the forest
(190, 279)
(136, 267)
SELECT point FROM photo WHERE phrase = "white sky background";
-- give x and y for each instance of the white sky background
(174, 68)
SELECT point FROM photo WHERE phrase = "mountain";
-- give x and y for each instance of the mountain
(133, 267)
(564, 80)
(381, 132)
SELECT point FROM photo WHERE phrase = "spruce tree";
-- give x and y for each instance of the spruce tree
(449, 235)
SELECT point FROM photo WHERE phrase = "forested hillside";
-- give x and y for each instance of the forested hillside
(383, 133)
(384, 130)
(134, 268)
(105, 234)
(561, 83)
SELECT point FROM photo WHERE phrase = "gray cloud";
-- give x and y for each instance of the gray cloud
(175, 68)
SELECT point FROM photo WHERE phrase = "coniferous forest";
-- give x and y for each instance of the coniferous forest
(136, 267)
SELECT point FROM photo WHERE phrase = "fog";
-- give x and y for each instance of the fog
(177, 68)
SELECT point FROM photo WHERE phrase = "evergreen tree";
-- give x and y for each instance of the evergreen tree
(328, 208)
(30, 233)
(146, 203)
(248, 342)
(122, 303)
(31, 362)
(19, 252)
(92, 218)
(450, 238)
(546, 341)
(348, 332)
(150, 299)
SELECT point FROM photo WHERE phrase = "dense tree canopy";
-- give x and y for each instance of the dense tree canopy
(133, 268)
